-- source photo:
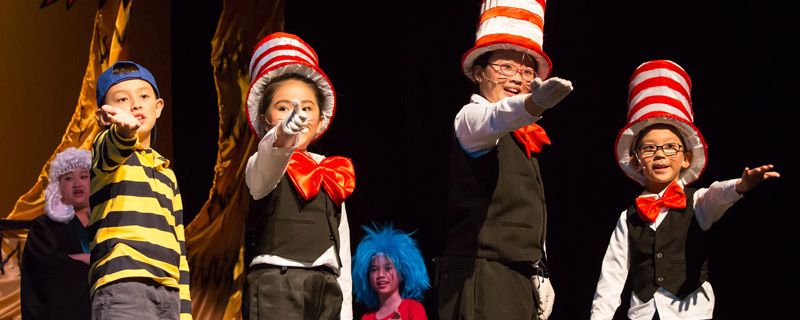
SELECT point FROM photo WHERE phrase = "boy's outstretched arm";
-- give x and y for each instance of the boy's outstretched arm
(752, 177)
(124, 122)
(711, 203)
(112, 147)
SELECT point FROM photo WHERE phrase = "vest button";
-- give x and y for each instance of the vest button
(331, 237)
(659, 255)
(660, 279)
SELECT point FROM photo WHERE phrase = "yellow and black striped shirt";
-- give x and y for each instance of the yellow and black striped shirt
(137, 217)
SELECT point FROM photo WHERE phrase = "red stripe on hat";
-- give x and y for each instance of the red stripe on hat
(658, 82)
(508, 38)
(284, 59)
(662, 64)
(287, 47)
(677, 104)
(514, 13)
(276, 35)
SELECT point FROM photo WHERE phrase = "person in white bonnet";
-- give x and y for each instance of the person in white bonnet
(56, 255)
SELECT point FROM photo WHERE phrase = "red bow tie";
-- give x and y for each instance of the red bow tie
(649, 207)
(335, 174)
(533, 137)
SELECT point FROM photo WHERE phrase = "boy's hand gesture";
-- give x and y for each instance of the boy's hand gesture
(125, 122)
(550, 92)
(296, 122)
(752, 177)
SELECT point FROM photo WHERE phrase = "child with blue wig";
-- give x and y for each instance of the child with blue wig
(389, 275)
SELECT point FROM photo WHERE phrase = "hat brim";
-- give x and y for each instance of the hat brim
(256, 93)
(543, 63)
(695, 143)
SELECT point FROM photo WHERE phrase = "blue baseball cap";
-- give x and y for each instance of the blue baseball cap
(108, 79)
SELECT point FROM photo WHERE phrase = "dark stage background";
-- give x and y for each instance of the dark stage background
(395, 67)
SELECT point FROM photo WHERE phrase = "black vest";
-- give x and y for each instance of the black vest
(284, 224)
(495, 205)
(673, 257)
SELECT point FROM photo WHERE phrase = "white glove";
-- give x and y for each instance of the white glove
(547, 296)
(296, 122)
(548, 93)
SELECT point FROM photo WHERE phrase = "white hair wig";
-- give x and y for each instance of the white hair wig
(69, 160)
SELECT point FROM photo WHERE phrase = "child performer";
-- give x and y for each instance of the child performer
(297, 238)
(661, 243)
(56, 255)
(493, 265)
(389, 275)
(138, 267)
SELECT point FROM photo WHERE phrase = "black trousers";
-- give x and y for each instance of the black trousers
(275, 292)
(474, 288)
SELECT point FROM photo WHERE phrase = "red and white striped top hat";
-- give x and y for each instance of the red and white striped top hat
(283, 53)
(659, 91)
(514, 25)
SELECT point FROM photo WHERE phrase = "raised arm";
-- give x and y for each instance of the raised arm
(711, 203)
(266, 167)
(481, 123)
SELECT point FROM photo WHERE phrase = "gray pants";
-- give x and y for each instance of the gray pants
(474, 288)
(134, 300)
(274, 292)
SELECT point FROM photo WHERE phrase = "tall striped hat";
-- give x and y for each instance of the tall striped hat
(514, 25)
(283, 53)
(659, 91)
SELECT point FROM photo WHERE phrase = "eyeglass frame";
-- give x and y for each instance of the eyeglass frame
(680, 148)
(516, 70)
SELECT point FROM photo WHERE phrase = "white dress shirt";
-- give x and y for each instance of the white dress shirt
(264, 170)
(709, 206)
(480, 124)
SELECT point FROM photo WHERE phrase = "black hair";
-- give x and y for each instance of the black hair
(124, 67)
(272, 87)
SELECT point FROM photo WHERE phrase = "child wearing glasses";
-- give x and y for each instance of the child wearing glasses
(496, 216)
(661, 242)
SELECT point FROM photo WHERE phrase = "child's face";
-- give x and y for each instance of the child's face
(281, 107)
(383, 276)
(74, 188)
(659, 169)
(137, 97)
(493, 85)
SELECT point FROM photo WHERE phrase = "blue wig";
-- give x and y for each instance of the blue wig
(405, 255)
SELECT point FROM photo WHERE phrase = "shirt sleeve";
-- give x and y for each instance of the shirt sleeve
(613, 274)
(345, 278)
(183, 268)
(111, 150)
(266, 167)
(712, 202)
(480, 124)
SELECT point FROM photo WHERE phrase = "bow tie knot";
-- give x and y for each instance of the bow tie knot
(335, 174)
(649, 207)
(532, 137)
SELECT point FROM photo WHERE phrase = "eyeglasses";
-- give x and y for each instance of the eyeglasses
(649, 150)
(509, 70)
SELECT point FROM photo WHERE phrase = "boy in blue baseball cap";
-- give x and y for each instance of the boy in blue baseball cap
(138, 254)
